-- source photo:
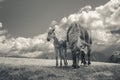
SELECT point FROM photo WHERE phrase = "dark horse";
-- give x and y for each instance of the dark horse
(80, 42)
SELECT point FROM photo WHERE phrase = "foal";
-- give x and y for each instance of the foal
(60, 47)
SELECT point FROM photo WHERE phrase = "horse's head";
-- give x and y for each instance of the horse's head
(51, 34)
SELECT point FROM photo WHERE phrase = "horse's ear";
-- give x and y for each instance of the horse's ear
(53, 30)
(50, 28)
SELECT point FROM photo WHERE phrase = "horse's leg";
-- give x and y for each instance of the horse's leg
(65, 56)
(56, 52)
(83, 58)
(81, 55)
(77, 60)
(60, 53)
(73, 58)
(89, 52)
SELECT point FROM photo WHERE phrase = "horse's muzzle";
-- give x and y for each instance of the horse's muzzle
(48, 39)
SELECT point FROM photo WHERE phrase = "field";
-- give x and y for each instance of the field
(43, 69)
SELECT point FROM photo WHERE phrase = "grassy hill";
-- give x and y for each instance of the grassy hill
(41, 69)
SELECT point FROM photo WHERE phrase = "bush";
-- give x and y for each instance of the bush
(115, 57)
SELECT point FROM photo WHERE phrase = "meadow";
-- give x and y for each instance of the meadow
(43, 69)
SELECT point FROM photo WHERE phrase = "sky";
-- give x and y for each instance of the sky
(28, 18)
(24, 24)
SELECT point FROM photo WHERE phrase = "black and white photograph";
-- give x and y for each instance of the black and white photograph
(59, 39)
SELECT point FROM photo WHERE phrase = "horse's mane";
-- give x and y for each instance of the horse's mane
(76, 31)
(60, 34)
(73, 32)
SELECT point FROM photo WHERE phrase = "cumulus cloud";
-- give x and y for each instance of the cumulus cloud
(0, 25)
(24, 46)
(99, 22)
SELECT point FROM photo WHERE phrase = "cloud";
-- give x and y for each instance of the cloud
(86, 9)
(37, 43)
(21, 46)
(0, 25)
(99, 22)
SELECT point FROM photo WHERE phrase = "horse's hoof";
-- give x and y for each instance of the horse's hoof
(89, 63)
(75, 67)
(56, 65)
(66, 65)
(85, 63)
(60, 66)
(82, 63)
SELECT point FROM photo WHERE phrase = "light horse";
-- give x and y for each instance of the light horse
(80, 43)
(60, 47)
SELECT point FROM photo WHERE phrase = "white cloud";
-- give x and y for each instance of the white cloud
(0, 25)
(99, 21)
(86, 9)
(37, 43)
(2, 32)
(53, 23)
(24, 46)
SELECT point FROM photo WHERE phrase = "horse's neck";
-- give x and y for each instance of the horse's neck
(56, 42)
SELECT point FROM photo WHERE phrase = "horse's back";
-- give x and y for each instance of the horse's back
(73, 33)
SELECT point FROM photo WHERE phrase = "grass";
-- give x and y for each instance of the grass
(27, 72)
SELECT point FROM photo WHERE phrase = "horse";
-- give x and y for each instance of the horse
(60, 47)
(80, 42)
